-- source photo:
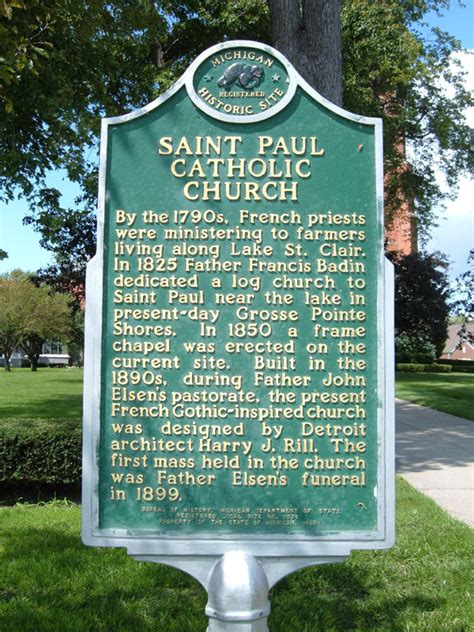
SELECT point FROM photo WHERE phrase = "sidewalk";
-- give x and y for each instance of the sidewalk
(435, 453)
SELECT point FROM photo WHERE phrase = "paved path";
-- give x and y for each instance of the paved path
(435, 454)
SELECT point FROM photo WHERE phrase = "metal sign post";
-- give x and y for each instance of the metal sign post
(238, 407)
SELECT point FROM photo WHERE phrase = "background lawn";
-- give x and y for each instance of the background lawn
(48, 394)
(51, 582)
(34, 409)
(56, 394)
(449, 392)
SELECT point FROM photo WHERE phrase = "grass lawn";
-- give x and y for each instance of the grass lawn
(449, 392)
(50, 582)
(48, 394)
(56, 394)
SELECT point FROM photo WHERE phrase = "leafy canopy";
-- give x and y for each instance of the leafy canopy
(416, 85)
(422, 299)
(64, 64)
(12, 287)
(462, 302)
(30, 315)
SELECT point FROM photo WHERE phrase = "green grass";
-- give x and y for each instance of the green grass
(449, 392)
(56, 394)
(48, 394)
(50, 582)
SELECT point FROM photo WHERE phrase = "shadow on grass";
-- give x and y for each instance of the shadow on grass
(450, 393)
(12, 492)
(55, 583)
(342, 598)
(56, 407)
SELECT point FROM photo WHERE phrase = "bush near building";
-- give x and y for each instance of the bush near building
(414, 367)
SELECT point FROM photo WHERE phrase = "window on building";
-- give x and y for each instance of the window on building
(53, 348)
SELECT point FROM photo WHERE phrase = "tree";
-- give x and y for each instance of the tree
(76, 64)
(309, 35)
(21, 48)
(69, 234)
(75, 338)
(421, 298)
(393, 72)
(462, 301)
(117, 56)
(30, 315)
(46, 317)
(12, 288)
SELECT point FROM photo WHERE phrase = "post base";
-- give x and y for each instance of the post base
(237, 594)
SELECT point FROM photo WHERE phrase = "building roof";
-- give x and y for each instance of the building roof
(452, 349)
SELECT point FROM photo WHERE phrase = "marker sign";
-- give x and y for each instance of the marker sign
(238, 387)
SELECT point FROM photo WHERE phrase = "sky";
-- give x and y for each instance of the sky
(454, 236)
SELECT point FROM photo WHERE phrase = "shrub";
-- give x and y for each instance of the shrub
(459, 366)
(410, 367)
(413, 367)
(438, 368)
(40, 454)
(414, 348)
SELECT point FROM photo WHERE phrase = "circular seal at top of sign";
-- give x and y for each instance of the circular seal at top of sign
(241, 82)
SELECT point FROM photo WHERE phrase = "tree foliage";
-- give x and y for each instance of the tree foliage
(67, 63)
(69, 234)
(421, 300)
(47, 316)
(12, 287)
(90, 59)
(30, 315)
(21, 47)
(462, 301)
(416, 85)
(414, 347)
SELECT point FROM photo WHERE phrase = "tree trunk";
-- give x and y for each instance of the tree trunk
(32, 346)
(6, 361)
(308, 33)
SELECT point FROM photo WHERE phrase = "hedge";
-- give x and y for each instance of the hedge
(412, 367)
(33, 454)
(454, 362)
(459, 366)
(438, 368)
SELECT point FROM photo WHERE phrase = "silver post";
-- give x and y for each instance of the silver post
(237, 595)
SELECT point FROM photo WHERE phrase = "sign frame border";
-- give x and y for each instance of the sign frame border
(270, 545)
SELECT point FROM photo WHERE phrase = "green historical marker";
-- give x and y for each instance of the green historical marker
(239, 384)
